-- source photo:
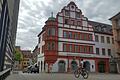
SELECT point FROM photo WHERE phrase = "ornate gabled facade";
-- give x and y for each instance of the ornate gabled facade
(70, 37)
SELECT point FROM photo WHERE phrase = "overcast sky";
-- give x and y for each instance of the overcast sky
(33, 14)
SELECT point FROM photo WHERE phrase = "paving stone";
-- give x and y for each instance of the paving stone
(61, 76)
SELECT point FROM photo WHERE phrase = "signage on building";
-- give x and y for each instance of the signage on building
(81, 55)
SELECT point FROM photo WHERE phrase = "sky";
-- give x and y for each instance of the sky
(34, 13)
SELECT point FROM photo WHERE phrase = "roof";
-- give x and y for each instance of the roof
(51, 18)
(115, 16)
(101, 27)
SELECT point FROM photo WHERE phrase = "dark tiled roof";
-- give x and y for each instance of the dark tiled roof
(101, 27)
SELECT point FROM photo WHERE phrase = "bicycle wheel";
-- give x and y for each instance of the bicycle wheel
(77, 73)
(84, 74)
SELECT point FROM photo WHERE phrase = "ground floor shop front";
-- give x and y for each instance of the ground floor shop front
(70, 63)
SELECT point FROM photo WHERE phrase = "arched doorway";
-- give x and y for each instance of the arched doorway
(87, 65)
(61, 66)
(74, 65)
(101, 66)
(113, 67)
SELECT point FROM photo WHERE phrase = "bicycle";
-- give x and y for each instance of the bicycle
(81, 71)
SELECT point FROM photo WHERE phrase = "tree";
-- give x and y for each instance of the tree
(17, 55)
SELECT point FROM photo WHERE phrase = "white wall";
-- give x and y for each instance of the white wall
(41, 43)
(55, 66)
(105, 44)
(41, 58)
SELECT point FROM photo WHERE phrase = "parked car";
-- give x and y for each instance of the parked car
(34, 68)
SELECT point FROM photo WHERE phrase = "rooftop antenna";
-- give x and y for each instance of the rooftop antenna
(51, 14)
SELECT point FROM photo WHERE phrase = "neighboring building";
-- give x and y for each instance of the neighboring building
(8, 27)
(27, 58)
(35, 54)
(104, 45)
(116, 33)
(70, 37)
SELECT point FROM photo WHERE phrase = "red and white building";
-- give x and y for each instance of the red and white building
(67, 39)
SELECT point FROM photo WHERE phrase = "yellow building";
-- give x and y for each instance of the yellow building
(27, 58)
(116, 33)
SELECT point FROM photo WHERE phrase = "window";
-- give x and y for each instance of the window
(102, 39)
(49, 46)
(51, 32)
(67, 13)
(85, 49)
(97, 51)
(112, 40)
(96, 38)
(72, 22)
(77, 15)
(76, 48)
(81, 48)
(109, 52)
(81, 34)
(70, 34)
(64, 47)
(90, 49)
(53, 46)
(65, 34)
(76, 35)
(66, 21)
(72, 7)
(42, 49)
(70, 48)
(108, 39)
(79, 23)
(85, 36)
(103, 51)
(90, 37)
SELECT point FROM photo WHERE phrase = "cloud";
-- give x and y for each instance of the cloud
(34, 13)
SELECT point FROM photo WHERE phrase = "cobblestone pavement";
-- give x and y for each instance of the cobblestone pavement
(60, 76)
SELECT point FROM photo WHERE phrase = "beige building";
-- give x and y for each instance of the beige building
(116, 33)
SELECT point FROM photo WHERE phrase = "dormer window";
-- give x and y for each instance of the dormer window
(66, 21)
(67, 13)
(72, 22)
(77, 15)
